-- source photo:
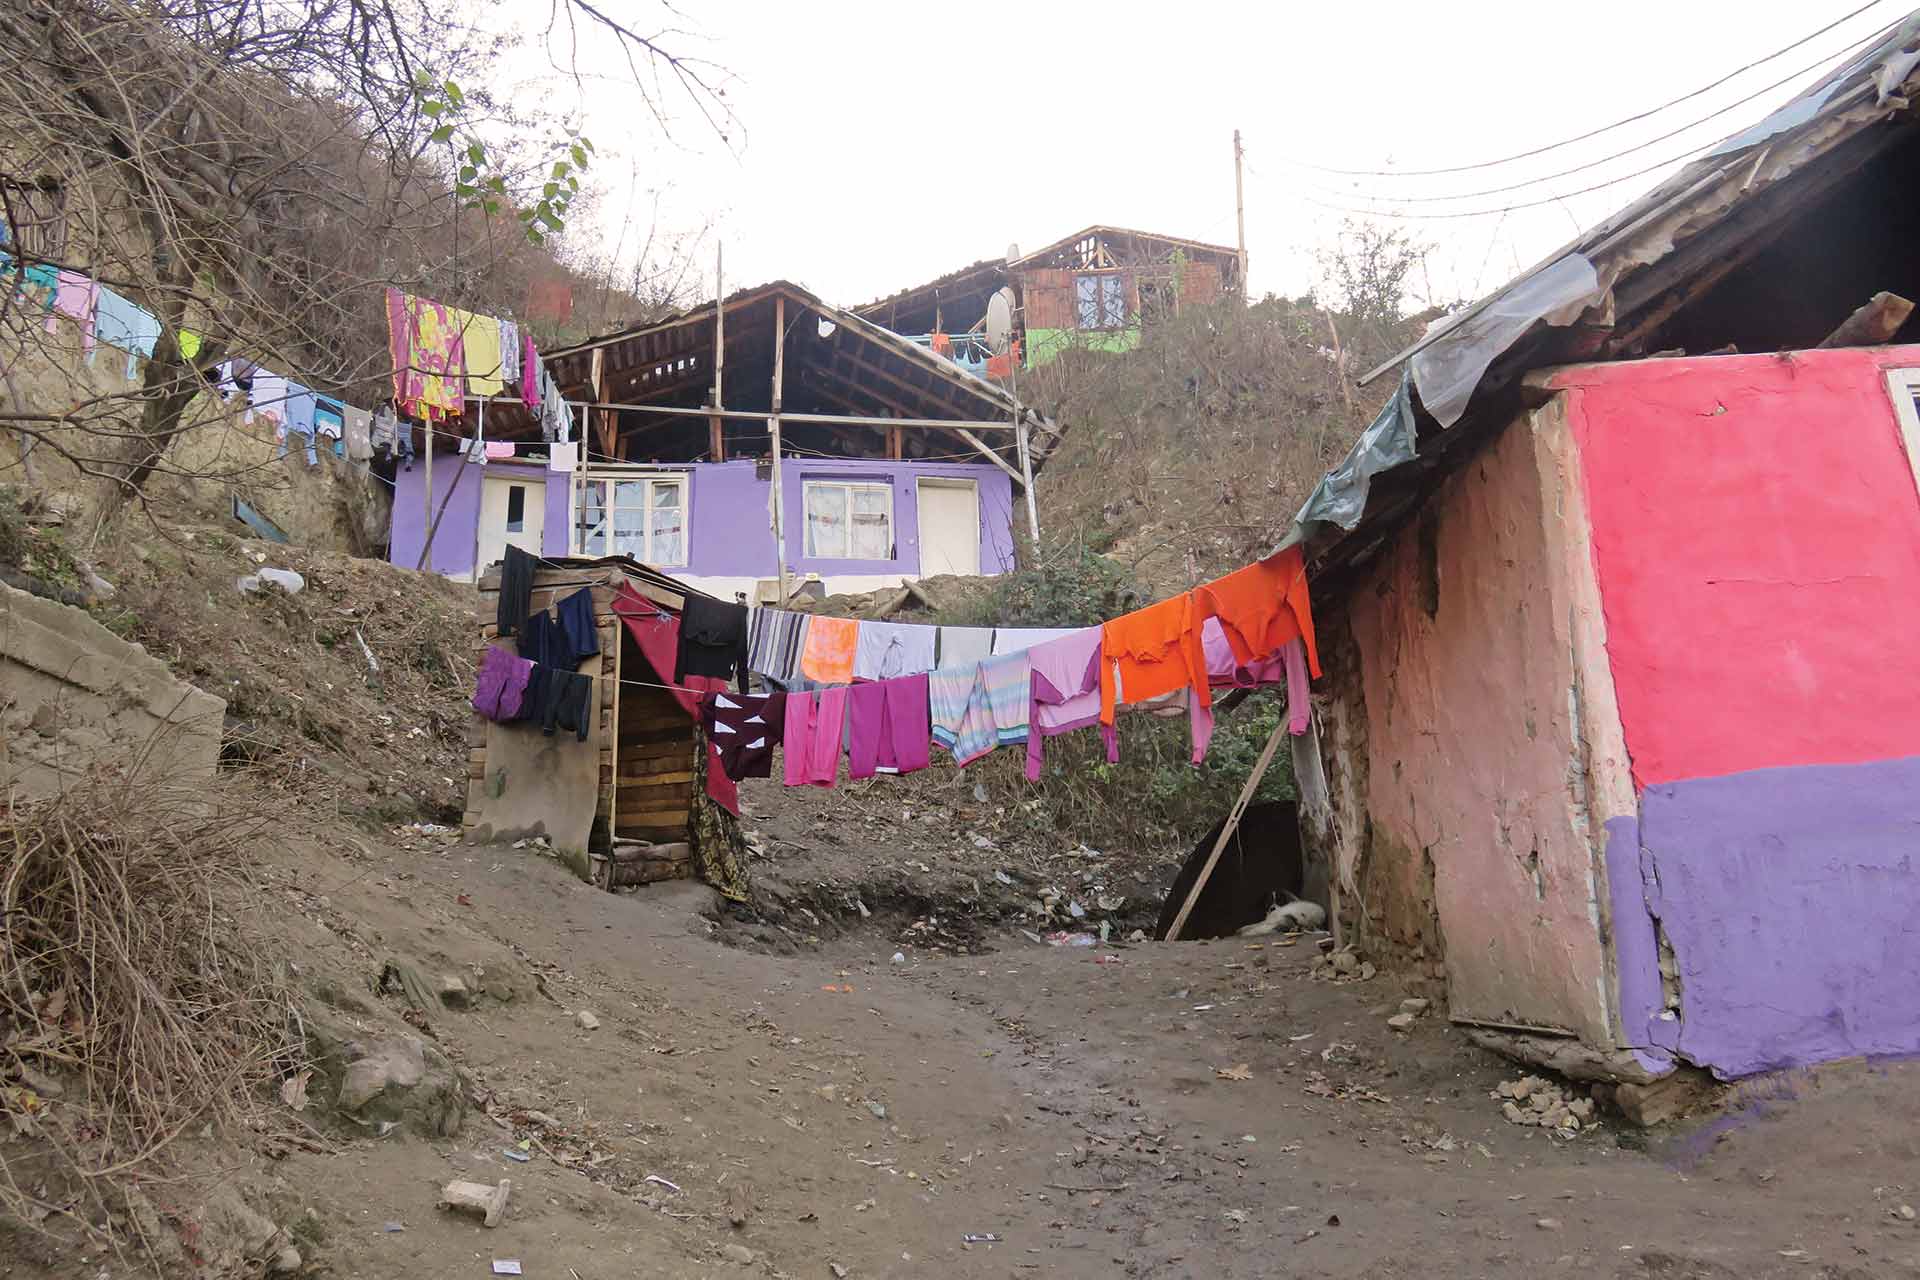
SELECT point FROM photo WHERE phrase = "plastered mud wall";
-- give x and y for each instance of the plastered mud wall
(1474, 641)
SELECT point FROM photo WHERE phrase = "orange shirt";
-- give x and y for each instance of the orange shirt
(1156, 651)
(1262, 607)
(828, 656)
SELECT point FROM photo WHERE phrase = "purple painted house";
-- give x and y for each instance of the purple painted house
(889, 463)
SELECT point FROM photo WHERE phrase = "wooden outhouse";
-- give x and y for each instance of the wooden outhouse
(638, 780)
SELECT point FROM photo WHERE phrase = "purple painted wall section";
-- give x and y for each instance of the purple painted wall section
(453, 545)
(1636, 948)
(1791, 898)
(730, 536)
(730, 533)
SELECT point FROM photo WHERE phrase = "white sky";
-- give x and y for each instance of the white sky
(885, 143)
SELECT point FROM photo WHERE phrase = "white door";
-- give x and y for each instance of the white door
(949, 527)
(513, 513)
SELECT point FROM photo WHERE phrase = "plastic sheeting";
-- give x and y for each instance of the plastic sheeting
(1893, 68)
(1448, 369)
(1341, 496)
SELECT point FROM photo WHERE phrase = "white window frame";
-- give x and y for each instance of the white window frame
(1904, 386)
(809, 487)
(651, 480)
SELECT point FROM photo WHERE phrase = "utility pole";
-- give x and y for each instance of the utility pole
(1240, 210)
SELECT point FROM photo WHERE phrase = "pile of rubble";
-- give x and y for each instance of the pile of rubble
(1343, 965)
(1540, 1103)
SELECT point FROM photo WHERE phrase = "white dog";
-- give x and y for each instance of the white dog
(1296, 915)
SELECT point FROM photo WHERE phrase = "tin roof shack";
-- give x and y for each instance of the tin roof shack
(1092, 290)
(629, 804)
(889, 463)
(1622, 720)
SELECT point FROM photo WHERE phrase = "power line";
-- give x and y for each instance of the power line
(1553, 198)
(1606, 159)
(1592, 133)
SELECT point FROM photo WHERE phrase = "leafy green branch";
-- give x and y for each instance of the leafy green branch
(479, 180)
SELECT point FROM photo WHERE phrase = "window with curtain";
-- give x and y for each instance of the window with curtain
(1100, 302)
(644, 517)
(848, 521)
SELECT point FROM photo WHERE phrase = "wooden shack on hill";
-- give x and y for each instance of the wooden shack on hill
(637, 783)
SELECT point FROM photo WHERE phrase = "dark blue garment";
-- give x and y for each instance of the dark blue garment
(562, 642)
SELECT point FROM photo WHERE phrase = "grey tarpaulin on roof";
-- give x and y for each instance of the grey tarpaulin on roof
(1341, 496)
(1448, 369)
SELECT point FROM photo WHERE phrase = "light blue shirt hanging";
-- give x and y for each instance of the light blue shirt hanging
(118, 322)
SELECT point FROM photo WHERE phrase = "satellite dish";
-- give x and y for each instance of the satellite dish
(1000, 321)
(826, 327)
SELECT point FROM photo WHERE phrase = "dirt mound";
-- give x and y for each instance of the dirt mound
(350, 692)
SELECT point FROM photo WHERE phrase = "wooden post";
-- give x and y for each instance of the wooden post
(479, 447)
(1020, 441)
(1240, 213)
(1026, 477)
(604, 417)
(426, 517)
(896, 444)
(1227, 829)
(773, 434)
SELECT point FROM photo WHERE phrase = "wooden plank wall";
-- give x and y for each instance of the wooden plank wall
(654, 773)
(549, 585)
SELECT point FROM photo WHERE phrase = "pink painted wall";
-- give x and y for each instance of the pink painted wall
(1482, 726)
(1757, 533)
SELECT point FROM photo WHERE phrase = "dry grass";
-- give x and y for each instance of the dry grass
(134, 1004)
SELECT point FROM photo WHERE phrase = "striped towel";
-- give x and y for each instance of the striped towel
(979, 706)
(775, 638)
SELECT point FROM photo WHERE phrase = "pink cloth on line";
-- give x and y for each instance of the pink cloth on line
(1288, 666)
(1064, 693)
(810, 752)
(887, 727)
(529, 372)
(499, 449)
(74, 296)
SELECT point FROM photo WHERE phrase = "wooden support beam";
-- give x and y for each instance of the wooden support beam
(983, 447)
(895, 446)
(1873, 325)
(773, 440)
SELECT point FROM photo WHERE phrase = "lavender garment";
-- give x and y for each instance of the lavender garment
(501, 686)
(1064, 692)
(811, 747)
(889, 649)
(1288, 666)
(887, 725)
(1013, 639)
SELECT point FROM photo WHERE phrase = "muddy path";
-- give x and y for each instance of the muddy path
(1197, 1109)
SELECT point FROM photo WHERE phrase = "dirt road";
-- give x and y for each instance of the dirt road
(869, 1115)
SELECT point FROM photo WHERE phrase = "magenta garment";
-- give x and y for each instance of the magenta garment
(1065, 693)
(888, 725)
(529, 372)
(1299, 708)
(501, 685)
(74, 296)
(1288, 666)
(811, 749)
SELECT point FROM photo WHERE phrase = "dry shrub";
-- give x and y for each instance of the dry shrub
(135, 1005)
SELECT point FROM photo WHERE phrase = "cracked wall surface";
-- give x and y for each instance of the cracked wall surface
(1476, 656)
